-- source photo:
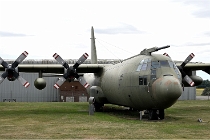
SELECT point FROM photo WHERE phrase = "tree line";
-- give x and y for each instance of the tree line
(204, 84)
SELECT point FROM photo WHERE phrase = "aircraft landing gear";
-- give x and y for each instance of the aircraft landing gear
(155, 114)
(98, 106)
(161, 114)
(91, 105)
(94, 106)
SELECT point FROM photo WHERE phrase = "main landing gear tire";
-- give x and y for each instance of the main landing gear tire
(98, 107)
(155, 114)
(161, 114)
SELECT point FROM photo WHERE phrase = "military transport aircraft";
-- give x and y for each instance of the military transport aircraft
(146, 81)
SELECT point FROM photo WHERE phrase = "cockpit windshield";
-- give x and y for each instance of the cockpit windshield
(155, 64)
(147, 64)
(158, 64)
(164, 63)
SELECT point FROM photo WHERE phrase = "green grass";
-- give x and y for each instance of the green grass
(199, 91)
(71, 120)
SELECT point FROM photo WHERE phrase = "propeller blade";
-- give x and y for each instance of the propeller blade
(3, 63)
(189, 80)
(19, 59)
(60, 60)
(83, 82)
(23, 81)
(1, 79)
(3, 76)
(81, 60)
(59, 82)
(188, 59)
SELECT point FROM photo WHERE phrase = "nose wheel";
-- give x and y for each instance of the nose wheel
(156, 114)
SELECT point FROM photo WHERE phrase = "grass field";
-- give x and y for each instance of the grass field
(71, 120)
(199, 91)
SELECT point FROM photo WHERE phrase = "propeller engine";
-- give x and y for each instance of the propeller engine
(11, 70)
(181, 69)
(71, 73)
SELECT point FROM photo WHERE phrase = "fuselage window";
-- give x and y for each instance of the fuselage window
(142, 80)
(145, 80)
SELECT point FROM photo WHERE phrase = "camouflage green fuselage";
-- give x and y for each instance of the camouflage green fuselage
(141, 82)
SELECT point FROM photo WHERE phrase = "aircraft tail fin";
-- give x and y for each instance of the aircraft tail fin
(93, 48)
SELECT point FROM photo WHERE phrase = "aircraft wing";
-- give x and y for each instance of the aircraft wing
(57, 68)
(197, 66)
(93, 68)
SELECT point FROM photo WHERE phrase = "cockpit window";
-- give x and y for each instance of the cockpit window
(176, 70)
(155, 64)
(164, 63)
(171, 64)
(145, 64)
(158, 64)
(140, 65)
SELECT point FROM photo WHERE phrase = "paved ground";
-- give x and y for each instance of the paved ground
(202, 98)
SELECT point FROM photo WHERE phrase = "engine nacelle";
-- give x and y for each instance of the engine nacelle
(40, 83)
(196, 79)
(10, 72)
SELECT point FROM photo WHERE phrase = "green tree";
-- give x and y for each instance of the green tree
(206, 91)
(204, 84)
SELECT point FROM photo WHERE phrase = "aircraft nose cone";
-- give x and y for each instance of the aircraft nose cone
(166, 91)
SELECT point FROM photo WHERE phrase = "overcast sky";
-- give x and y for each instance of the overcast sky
(122, 28)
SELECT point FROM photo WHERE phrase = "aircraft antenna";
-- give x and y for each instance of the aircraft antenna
(109, 51)
(116, 47)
